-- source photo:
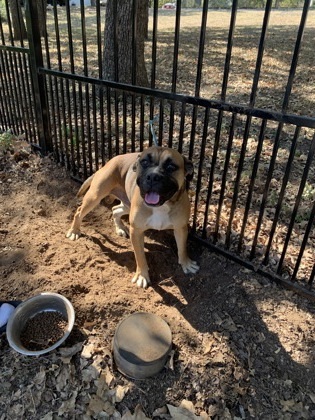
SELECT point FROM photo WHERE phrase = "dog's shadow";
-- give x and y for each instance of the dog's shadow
(160, 251)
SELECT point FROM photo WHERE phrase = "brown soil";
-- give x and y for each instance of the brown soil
(242, 346)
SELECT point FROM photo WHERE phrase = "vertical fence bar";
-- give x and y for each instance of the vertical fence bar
(124, 122)
(133, 41)
(211, 176)
(201, 161)
(296, 53)
(229, 48)
(100, 91)
(133, 126)
(252, 184)
(161, 121)
(87, 134)
(36, 61)
(311, 279)
(224, 176)
(182, 127)
(60, 152)
(74, 133)
(142, 119)
(203, 30)
(153, 60)
(199, 72)
(174, 72)
(134, 71)
(109, 122)
(80, 138)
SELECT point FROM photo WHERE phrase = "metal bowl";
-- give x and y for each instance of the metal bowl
(141, 345)
(44, 302)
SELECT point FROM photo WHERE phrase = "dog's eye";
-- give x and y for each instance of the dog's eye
(144, 163)
(170, 167)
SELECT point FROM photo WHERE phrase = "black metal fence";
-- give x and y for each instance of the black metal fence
(233, 90)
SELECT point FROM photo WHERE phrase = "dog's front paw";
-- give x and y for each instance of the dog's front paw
(189, 266)
(141, 281)
(73, 235)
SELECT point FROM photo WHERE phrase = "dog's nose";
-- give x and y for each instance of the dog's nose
(153, 177)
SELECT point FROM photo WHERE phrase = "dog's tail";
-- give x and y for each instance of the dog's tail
(85, 186)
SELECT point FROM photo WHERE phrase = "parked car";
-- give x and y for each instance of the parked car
(169, 6)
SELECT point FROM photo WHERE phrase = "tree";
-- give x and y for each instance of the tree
(18, 24)
(41, 6)
(119, 56)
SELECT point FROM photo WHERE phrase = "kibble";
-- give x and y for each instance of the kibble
(43, 330)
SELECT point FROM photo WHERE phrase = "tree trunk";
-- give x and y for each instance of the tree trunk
(119, 57)
(18, 24)
(41, 11)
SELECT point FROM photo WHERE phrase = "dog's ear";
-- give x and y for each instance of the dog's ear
(135, 165)
(189, 169)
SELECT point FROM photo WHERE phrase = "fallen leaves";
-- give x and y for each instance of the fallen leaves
(185, 411)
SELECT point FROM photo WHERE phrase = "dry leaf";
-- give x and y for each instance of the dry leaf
(70, 351)
(109, 377)
(88, 350)
(48, 416)
(117, 394)
(170, 361)
(98, 405)
(159, 412)
(62, 378)
(40, 378)
(138, 414)
(89, 374)
(69, 405)
(184, 412)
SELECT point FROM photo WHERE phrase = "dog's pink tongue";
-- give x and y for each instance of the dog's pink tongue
(152, 198)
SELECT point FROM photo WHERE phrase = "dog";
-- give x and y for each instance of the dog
(151, 188)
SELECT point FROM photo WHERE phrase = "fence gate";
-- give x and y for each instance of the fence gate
(231, 89)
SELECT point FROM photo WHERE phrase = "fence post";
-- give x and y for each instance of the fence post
(38, 80)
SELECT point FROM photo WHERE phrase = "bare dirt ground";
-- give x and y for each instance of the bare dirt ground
(242, 346)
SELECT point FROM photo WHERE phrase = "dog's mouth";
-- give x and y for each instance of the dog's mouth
(153, 199)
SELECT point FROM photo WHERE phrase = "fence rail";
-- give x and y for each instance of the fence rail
(230, 89)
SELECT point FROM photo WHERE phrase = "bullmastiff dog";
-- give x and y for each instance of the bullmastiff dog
(151, 187)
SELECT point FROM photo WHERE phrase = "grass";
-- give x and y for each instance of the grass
(6, 141)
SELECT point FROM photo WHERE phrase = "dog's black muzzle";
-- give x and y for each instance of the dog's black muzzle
(155, 187)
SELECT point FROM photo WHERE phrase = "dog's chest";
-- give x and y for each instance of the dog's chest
(160, 218)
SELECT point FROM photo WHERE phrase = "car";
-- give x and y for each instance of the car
(169, 6)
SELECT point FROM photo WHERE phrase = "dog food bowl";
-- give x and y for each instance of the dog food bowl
(141, 345)
(40, 316)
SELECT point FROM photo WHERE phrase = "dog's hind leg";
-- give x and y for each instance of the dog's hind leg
(90, 201)
(118, 212)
